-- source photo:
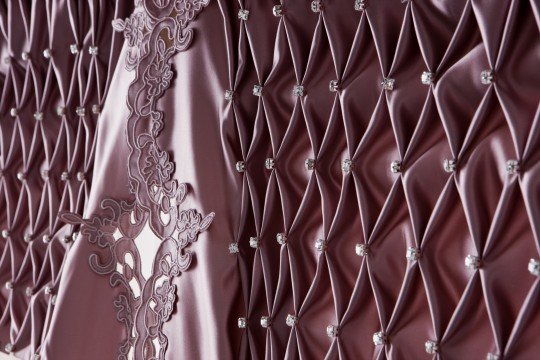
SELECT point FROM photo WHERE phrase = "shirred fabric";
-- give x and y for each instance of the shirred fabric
(360, 175)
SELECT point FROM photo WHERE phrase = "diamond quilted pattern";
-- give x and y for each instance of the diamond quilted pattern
(449, 195)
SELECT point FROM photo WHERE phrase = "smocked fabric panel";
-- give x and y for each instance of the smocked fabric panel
(57, 60)
(387, 159)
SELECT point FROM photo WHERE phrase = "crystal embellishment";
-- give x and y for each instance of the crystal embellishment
(449, 165)
(320, 245)
(265, 321)
(269, 163)
(413, 253)
(8, 348)
(427, 78)
(277, 10)
(291, 320)
(48, 290)
(29, 291)
(21, 176)
(512, 166)
(65, 176)
(254, 242)
(472, 262)
(66, 239)
(309, 164)
(388, 84)
(316, 6)
(60, 110)
(9, 285)
(491, 356)
(28, 238)
(333, 86)
(81, 176)
(243, 14)
(281, 238)
(298, 90)
(361, 249)
(487, 77)
(5, 234)
(13, 112)
(257, 90)
(534, 267)
(80, 111)
(74, 49)
(47, 53)
(25, 55)
(233, 248)
(379, 338)
(242, 323)
(229, 95)
(360, 5)
(346, 165)
(332, 331)
(96, 109)
(38, 115)
(395, 166)
(432, 347)
(46, 239)
(240, 166)
(93, 50)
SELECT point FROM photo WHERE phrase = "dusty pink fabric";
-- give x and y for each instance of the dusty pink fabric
(164, 126)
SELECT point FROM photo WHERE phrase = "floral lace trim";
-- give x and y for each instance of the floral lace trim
(155, 32)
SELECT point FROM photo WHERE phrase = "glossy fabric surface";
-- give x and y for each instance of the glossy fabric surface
(479, 209)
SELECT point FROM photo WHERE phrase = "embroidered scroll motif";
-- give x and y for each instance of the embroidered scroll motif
(155, 32)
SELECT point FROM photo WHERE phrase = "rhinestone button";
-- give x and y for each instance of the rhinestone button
(395, 166)
(74, 49)
(281, 238)
(254, 242)
(320, 245)
(93, 50)
(309, 164)
(13, 112)
(242, 323)
(229, 95)
(9, 285)
(388, 84)
(379, 338)
(80, 111)
(449, 165)
(361, 249)
(277, 10)
(427, 78)
(487, 77)
(270, 163)
(60, 110)
(534, 267)
(233, 248)
(38, 115)
(47, 53)
(332, 331)
(240, 166)
(512, 166)
(472, 262)
(413, 253)
(291, 320)
(432, 347)
(346, 165)
(25, 55)
(257, 90)
(333, 86)
(360, 5)
(298, 90)
(243, 14)
(265, 322)
(316, 6)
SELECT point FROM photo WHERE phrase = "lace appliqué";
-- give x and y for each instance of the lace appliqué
(155, 32)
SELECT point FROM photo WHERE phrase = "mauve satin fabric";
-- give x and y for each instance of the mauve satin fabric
(479, 209)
